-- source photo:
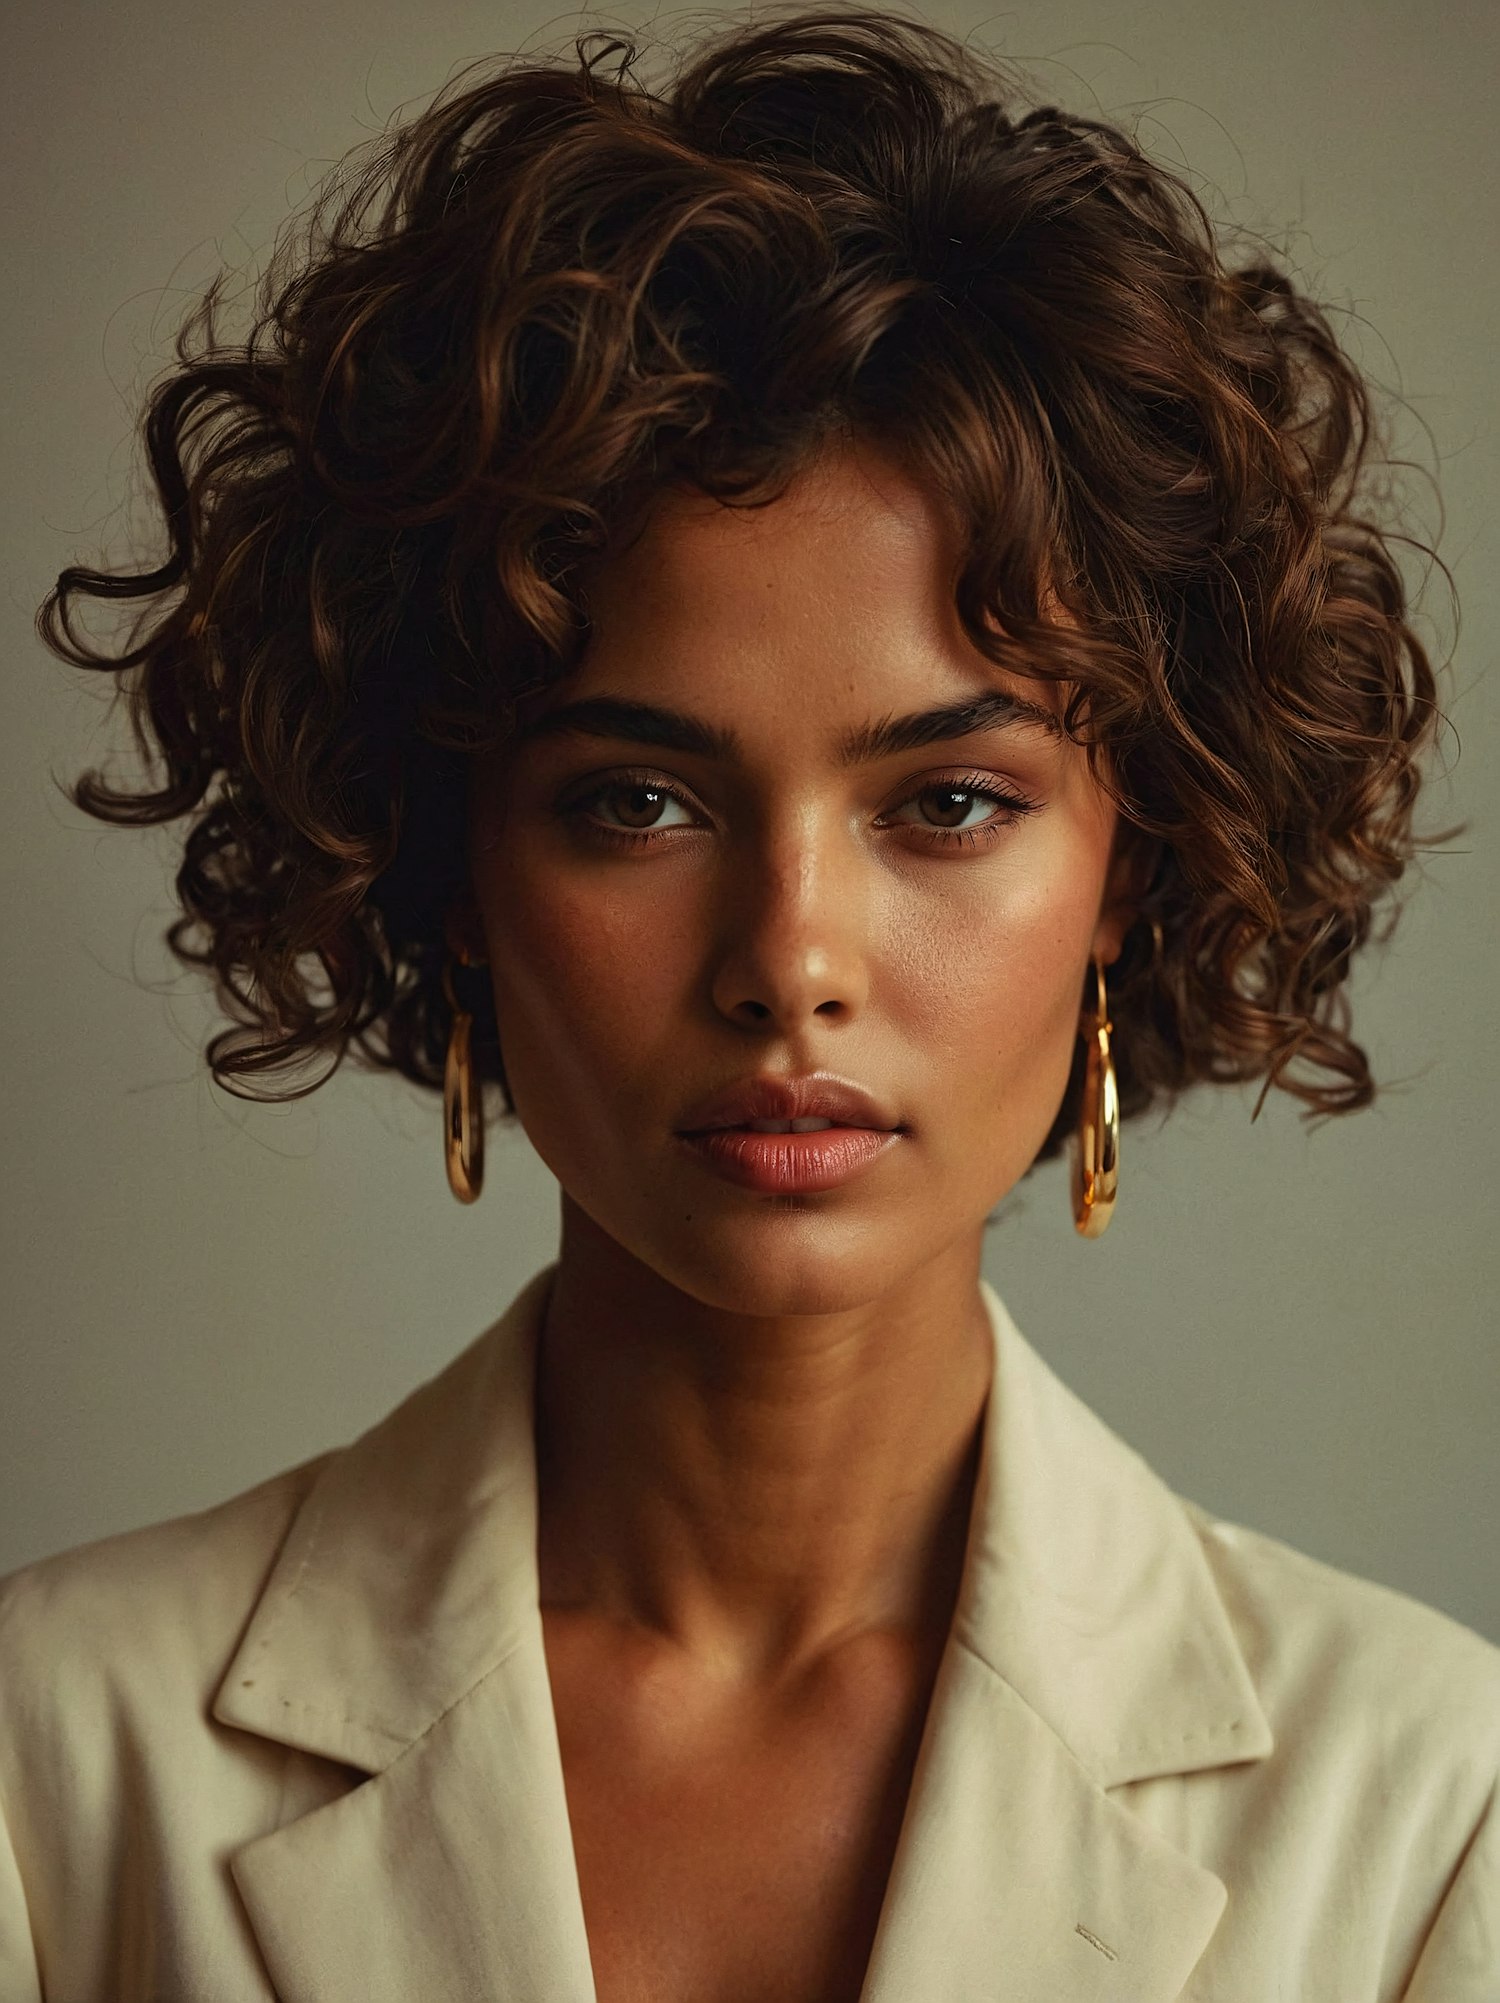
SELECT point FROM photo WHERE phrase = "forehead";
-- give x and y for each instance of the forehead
(850, 495)
(842, 588)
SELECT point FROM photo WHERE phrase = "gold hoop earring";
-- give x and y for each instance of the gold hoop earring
(463, 1109)
(1096, 1146)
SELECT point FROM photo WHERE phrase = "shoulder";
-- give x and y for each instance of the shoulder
(141, 1627)
(154, 1609)
(1375, 1820)
(1327, 1646)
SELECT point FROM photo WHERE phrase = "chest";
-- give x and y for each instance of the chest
(729, 1853)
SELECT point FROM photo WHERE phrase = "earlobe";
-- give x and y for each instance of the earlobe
(1109, 937)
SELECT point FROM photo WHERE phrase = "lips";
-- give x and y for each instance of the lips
(790, 1136)
(775, 1103)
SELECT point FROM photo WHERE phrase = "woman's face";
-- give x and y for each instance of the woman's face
(750, 873)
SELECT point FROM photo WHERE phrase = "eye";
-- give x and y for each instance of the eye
(625, 809)
(954, 804)
(968, 808)
(641, 802)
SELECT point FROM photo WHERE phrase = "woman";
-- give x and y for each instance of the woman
(812, 636)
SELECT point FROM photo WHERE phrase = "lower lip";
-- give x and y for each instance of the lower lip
(782, 1163)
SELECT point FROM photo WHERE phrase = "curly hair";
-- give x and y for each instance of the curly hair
(507, 324)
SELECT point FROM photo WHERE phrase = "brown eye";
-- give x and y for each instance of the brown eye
(641, 806)
(950, 806)
(953, 804)
(627, 806)
(961, 812)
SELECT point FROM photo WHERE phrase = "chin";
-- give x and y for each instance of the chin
(795, 1256)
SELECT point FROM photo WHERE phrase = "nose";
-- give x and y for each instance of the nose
(793, 939)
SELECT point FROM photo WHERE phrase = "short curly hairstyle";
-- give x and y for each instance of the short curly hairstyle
(509, 323)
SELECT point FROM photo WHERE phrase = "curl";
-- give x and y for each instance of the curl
(558, 290)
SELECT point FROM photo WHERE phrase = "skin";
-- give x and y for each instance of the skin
(758, 1416)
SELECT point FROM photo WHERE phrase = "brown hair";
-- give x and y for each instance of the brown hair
(558, 290)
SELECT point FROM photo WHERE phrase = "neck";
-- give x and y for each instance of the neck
(756, 1489)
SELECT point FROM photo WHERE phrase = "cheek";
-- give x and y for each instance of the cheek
(583, 989)
(991, 985)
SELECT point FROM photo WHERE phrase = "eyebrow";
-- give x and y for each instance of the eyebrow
(675, 730)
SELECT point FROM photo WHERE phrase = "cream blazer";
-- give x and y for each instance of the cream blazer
(302, 1746)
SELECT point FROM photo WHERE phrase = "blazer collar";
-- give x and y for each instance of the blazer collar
(399, 1633)
(410, 1569)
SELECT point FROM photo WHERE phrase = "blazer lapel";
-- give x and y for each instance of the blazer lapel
(1089, 1648)
(1019, 1880)
(400, 1634)
(447, 1878)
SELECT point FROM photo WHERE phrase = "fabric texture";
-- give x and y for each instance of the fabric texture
(301, 1746)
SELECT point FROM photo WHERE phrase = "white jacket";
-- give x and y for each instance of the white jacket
(301, 1746)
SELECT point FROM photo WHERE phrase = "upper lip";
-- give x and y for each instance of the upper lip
(817, 1095)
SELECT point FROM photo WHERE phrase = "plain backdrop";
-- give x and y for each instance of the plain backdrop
(1298, 1329)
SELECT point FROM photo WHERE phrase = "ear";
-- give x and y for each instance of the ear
(1132, 864)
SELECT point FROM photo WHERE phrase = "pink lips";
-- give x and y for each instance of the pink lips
(719, 1130)
(784, 1163)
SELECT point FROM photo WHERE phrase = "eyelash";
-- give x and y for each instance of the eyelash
(974, 783)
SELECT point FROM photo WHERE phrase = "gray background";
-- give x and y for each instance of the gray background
(1298, 1329)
